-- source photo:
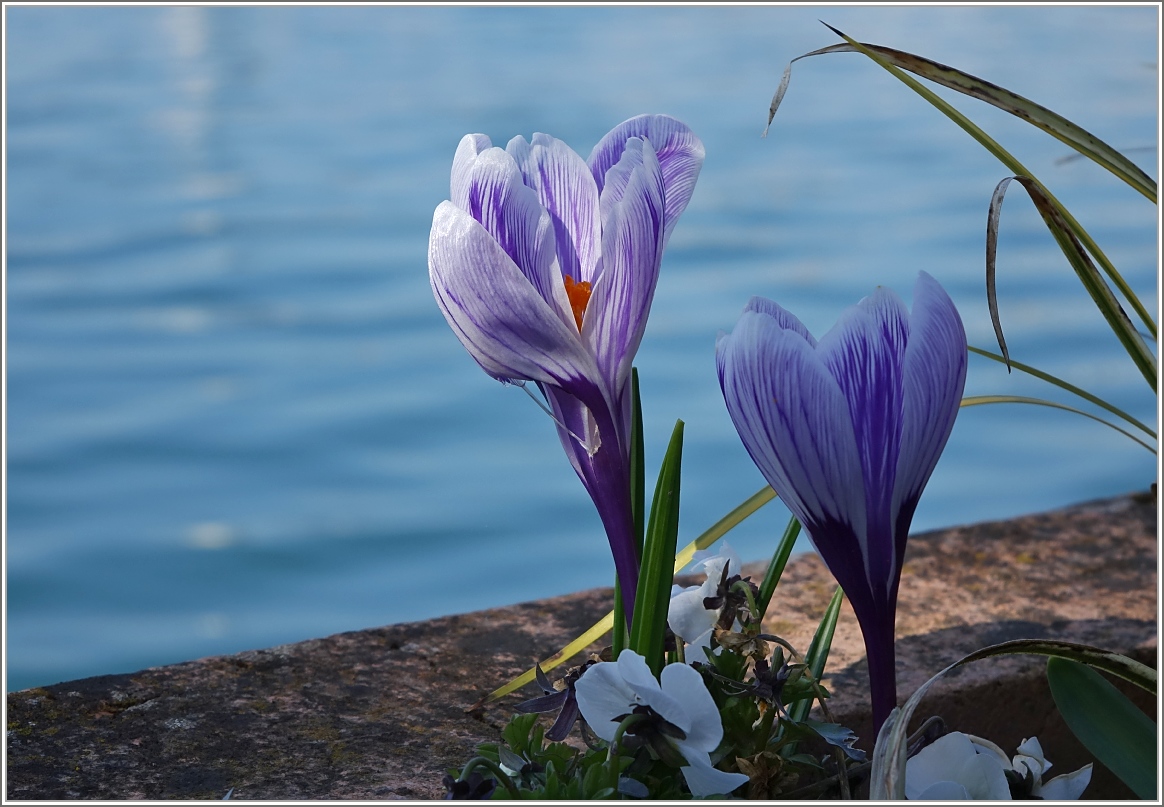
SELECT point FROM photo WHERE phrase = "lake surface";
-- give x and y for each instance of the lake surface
(236, 418)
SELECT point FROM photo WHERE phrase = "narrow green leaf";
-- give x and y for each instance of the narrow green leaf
(817, 654)
(1093, 282)
(618, 631)
(1005, 158)
(1061, 384)
(887, 780)
(637, 462)
(618, 637)
(777, 564)
(977, 400)
(649, 623)
(1037, 115)
(1108, 724)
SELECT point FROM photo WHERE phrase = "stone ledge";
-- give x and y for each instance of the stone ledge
(379, 713)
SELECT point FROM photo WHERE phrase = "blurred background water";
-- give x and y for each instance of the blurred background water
(235, 416)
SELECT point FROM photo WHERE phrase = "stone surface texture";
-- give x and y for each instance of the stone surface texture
(381, 713)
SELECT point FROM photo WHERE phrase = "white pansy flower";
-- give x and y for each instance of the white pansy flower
(954, 768)
(1065, 787)
(678, 704)
(963, 767)
(686, 615)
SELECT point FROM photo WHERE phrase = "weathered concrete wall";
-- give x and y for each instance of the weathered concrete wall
(380, 713)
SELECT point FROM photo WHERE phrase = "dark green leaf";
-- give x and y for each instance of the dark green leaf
(648, 626)
(1108, 724)
(777, 564)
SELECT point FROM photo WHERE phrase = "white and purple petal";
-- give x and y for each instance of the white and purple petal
(493, 193)
(632, 218)
(933, 381)
(865, 353)
(465, 157)
(795, 423)
(499, 316)
(565, 188)
(680, 154)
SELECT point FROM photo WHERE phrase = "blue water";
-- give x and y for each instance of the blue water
(235, 416)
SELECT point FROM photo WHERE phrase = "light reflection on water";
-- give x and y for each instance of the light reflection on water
(237, 417)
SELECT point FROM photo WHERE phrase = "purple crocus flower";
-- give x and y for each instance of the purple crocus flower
(545, 266)
(847, 431)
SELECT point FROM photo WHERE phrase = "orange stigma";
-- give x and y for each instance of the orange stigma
(579, 295)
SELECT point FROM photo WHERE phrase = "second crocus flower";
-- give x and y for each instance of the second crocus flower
(847, 431)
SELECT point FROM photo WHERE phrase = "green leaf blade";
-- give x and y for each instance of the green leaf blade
(1108, 725)
(649, 623)
(776, 565)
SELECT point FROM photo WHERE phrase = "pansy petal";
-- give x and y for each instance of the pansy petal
(686, 615)
(632, 210)
(795, 424)
(496, 312)
(566, 189)
(495, 195)
(602, 697)
(953, 758)
(865, 353)
(635, 672)
(680, 154)
(704, 780)
(685, 685)
(943, 791)
(698, 649)
(1066, 787)
(935, 376)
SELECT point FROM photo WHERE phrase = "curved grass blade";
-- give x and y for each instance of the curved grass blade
(596, 632)
(776, 565)
(1107, 724)
(1061, 384)
(978, 400)
(599, 629)
(1092, 281)
(649, 622)
(887, 780)
(1078, 138)
(1016, 167)
(992, 214)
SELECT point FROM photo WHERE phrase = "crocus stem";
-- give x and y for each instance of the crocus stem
(608, 480)
(882, 677)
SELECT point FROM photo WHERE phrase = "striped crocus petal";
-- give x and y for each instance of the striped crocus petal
(498, 314)
(632, 250)
(794, 421)
(680, 155)
(933, 381)
(562, 184)
(488, 185)
(864, 352)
